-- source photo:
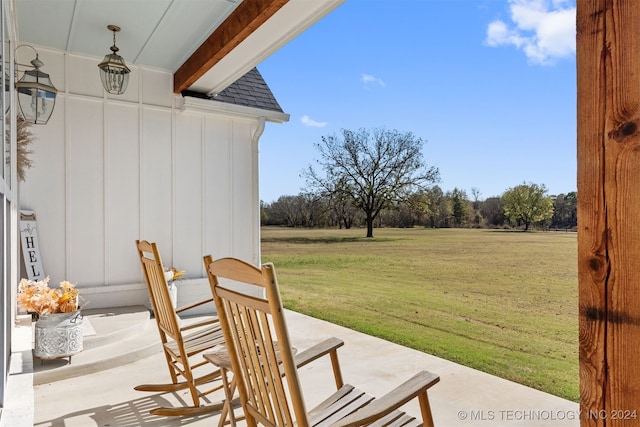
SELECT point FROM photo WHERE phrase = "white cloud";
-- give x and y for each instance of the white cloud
(307, 121)
(369, 79)
(545, 30)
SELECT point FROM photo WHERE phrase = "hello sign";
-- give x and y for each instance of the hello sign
(30, 247)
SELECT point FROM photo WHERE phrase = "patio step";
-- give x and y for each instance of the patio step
(112, 337)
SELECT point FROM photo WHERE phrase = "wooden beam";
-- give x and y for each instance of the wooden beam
(244, 20)
(608, 42)
(593, 262)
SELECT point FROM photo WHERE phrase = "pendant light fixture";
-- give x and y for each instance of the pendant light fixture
(114, 73)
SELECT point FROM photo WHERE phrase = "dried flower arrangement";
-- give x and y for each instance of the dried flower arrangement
(24, 138)
(38, 297)
(173, 274)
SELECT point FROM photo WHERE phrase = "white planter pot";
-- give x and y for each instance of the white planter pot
(58, 335)
(173, 294)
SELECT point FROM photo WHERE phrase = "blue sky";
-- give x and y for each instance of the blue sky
(490, 85)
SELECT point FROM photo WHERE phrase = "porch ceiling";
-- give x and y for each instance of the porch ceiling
(208, 44)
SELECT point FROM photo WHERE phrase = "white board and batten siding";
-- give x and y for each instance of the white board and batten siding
(109, 170)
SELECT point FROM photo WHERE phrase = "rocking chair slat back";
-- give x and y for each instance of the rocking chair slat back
(159, 290)
(182, 345)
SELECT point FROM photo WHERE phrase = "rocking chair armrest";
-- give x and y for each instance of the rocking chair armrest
(318, 350)
(329, 346)
(195, 304)
(391, 401)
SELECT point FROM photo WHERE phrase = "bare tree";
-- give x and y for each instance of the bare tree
(287, 210)
(342, 205)
(475, 193)
(376, 168)
(492, 211)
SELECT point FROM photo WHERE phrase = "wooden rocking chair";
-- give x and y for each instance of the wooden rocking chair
(182, 346)
(266, 373)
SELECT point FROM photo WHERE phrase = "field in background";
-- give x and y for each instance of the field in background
(502, 302)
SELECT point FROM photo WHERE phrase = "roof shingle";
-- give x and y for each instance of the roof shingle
(249, 90)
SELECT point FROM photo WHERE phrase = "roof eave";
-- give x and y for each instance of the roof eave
(207, 105)
(289, 20)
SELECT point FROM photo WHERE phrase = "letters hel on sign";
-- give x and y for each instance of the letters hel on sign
(30, 248)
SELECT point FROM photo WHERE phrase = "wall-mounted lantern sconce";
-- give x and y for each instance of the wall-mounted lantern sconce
(7, 89)
(7, 82)
(114, 73)
(36, 93)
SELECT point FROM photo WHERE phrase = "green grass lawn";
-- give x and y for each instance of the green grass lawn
(502, 302)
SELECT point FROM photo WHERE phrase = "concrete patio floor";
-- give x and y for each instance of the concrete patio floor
(463, 397)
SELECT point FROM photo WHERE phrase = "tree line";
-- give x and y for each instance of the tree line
(378, 178)
(431, 208)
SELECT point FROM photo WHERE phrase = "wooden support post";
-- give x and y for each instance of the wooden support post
(608, 66)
